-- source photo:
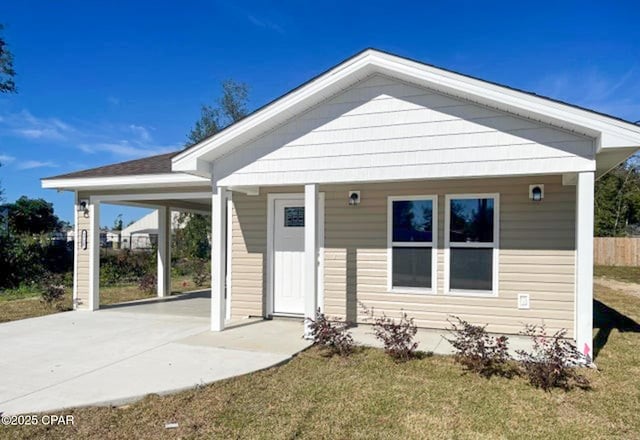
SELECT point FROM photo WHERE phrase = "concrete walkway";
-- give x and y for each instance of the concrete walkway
(121, 354)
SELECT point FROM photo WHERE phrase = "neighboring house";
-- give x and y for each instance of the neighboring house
(143, 233)
(65, 235)
(110, 238)
(391, 183)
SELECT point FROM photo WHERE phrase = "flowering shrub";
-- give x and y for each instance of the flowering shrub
(332, 335)
(396, 337)
(479, 352)
(552, 362)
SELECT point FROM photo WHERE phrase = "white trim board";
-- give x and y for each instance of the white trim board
(229, 255)
(133, 181)
(76, 249)
(106, 198)
(271, 198)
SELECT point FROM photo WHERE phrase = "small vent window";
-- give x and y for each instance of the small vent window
(294, 217)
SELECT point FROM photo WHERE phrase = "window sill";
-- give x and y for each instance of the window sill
(412, 290)
(480, 293)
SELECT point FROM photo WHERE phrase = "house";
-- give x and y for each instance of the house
(110, 238)
(142, 234)
(388, 182)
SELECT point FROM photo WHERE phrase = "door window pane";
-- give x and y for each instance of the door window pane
(412, 220)
(471, 269)
(412, 267)
(471, 221)
(294, 217)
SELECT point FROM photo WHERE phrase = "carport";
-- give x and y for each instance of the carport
(147, 183)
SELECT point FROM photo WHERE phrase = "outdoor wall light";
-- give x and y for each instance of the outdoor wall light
(354, 198)
(536, 192)
(83, 205)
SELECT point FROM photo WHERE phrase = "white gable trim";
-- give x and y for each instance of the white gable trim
(609, 132)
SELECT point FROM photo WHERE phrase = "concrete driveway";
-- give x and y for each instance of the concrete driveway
(123, 353)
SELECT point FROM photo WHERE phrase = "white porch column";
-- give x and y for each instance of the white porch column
(310, 254)
(164, 252)
(584, 263)
(218, 257)
(94, 254)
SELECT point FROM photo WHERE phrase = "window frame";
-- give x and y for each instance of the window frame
(433, 244)
(495, 245)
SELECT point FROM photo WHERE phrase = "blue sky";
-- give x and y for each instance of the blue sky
(102, 82)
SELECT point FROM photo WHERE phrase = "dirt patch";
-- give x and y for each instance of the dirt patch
(632, 289)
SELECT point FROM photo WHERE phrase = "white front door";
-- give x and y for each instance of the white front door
(288, 256)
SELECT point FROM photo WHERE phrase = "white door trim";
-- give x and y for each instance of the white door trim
(271, 198)
(229, 274)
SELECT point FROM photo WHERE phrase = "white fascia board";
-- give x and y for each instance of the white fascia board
(611, 132)
(134, 181)
(194, 166)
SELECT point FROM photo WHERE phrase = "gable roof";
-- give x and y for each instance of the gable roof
(619, 137)
(159, 164)
(611, 132)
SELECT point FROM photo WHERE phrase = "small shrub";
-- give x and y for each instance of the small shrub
(332, 335)
(479, 352)
(397, 337)
(181, 267)
(200, 272)
(148, 283)
(53, 290)
(553, 360)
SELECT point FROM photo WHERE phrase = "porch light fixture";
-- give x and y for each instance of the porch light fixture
(536, 192)
(354, 198)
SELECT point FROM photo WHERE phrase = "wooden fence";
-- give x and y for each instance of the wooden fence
(616, 251)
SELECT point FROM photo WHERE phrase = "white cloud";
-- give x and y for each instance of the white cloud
(615, 94)
(265, 24)
(120, 141)
(31, 164)
(24, 124)
(5, 158)
(125, 149)
(141, 132)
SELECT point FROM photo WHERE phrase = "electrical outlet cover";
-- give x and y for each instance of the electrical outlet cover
(523, 301)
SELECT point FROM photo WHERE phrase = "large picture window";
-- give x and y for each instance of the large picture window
(411, 241)
(471, 243)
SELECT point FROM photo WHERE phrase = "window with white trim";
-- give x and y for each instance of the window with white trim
(412, 233)
(471, 243)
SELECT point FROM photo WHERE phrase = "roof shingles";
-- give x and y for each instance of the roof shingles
(159, 164)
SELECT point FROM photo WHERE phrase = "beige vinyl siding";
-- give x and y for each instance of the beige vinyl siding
(536, 254)
(82, 269)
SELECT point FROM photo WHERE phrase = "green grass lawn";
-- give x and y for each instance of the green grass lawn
(369, 396)
(25, 303)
